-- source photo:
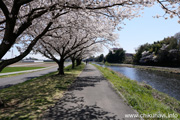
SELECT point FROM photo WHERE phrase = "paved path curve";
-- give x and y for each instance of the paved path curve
(9, 81)
(91, 97)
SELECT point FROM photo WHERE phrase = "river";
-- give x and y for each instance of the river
(165, 82)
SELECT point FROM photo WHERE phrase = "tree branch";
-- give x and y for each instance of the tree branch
(165, 8)
(22, 2)
(5, 63)
(4, 9)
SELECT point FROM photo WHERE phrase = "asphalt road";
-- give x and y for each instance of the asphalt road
(9, 81)
(91, 97)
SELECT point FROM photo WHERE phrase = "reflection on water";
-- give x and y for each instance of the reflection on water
(164, 82)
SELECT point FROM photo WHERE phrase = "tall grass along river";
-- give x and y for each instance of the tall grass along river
(165, 82)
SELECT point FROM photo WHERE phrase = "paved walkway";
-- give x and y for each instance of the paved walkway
(91, 97)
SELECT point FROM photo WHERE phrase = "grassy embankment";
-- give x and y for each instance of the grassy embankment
(16, 69)
(29, 99)
(150, 68)
(142, 97)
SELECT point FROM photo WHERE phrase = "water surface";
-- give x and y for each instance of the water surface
(165, 82)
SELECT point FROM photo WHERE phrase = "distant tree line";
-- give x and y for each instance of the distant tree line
(100, 58)
(114, 56)
(161, 53)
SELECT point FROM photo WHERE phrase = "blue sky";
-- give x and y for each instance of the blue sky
(146, 29)
(138, 31)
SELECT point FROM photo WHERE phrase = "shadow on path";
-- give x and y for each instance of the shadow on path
(89, 81)
(88, 70)
(6, 86)
(24, 79)
(72, 107)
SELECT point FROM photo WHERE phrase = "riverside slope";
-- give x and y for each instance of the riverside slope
(9, 81)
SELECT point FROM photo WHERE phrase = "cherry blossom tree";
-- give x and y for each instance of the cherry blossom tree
(171, 8)
(28, 21)
(79, 33)
(84, 54)
(19, 17)
(65, 48)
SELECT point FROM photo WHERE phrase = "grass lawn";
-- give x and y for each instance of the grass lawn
(142, 97)
(28, 100)
(15, 69)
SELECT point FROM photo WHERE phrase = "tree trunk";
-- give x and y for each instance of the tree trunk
(61, 67)
(78, 62)
(73, 63)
